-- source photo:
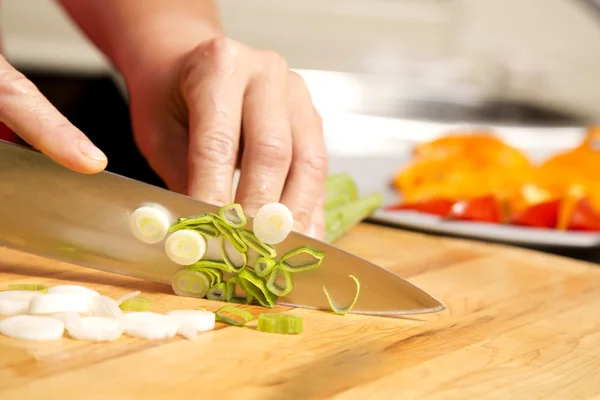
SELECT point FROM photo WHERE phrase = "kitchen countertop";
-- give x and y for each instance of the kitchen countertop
(518, 324)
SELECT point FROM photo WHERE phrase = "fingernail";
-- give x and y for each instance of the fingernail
(91, 151)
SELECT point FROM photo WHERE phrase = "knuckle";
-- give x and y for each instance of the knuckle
(274, 63)
(272, 150)
(316, 166)
(217, 145)
(302, 216)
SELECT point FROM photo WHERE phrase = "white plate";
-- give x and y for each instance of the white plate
(374, 171)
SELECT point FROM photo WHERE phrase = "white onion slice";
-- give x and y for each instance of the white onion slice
(185, 247)
(200, 320)
(150, 224)
(72, 289)
(32, 327)
(150, 325)
(95, 329)
(128, 296)
(13, 307)
(103, 306)
(60, 302)
(273, 223)
(187, 331)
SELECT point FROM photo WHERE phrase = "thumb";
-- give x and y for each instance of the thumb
(31, 116)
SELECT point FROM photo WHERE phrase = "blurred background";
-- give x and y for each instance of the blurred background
(383, 73)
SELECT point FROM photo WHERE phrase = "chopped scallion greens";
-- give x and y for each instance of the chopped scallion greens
(191, 221)
(343, 310)
(263, 266)
(302, 259)
(190, 283)
(233, 215)
(135, 304)
(255, 286)
(30, 287)
(254, 243)
(237, 293)
(235, 260)
(218, 292)
(280, 323)
(233, 316)
(273, 283)
(231, 235)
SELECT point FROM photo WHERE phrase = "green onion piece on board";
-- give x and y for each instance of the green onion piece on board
(254, 243)
(231, 235)
(218, 292)
(275, 285)
(190, 283)
(214, 275)
(238, 316)
(280, 323)
(187, 222)
(237, 293)
(257, 288)
(302, 259)
(343, 310)
(135, 304)
(235, 260)
(263, 266)
(30, 287)
(220, 265)
(341, 219)
(340, 189)
(233, 215)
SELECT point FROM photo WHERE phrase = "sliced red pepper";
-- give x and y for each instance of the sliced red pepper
(438, 207)
(542, 215)
(482, 209)
(584, 217)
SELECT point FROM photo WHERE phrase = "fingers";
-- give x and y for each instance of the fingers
(268, 140)
(31, 116)
(304, 192)
(214, 93)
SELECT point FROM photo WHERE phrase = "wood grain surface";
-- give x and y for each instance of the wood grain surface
(518, 324)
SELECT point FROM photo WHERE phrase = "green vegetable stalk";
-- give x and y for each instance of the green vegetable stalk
(339, 220)
(340, 189)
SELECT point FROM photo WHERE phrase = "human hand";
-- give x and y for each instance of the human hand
(199, 114)
(31, 116)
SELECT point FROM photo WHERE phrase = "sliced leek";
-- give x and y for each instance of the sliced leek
(272, 223)
(302, 259)
(191, 222)
(234, 259)
(218, 292)
(202, 264)
(190, 283)
(254, 243)
(257, 288)
(280, 288)
(263, 266)
(150, 224)
(135, 304)
(151, 326)
(233, 215)
(233, 316)
(280, 323)
(343, 310)
(236, 292)
(31, 287)
(200, 321)
(32, 327)
(185, 247)
(232, 236)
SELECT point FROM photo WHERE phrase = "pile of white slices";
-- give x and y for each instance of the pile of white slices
(87, 315)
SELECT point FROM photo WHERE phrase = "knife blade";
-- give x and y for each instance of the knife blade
(51, 211)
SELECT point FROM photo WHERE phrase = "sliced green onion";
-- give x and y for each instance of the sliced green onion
(150, 224)
(213, 275)
(30, 287)
(235, 260)
(239, 317)
(237, 293)
(263, 266)
(188, 222)
(277, 288)
(255, 286)
(302, 259)
(218, 292)
(200, 265)
(207, 230)
(135, 304)
(190, 283)
(254, 243)
(280, 323)
(231, 235)
(233, 215)
(343, 310)
(341, 219)
(185, 247)
(272, 223)
(340, 189)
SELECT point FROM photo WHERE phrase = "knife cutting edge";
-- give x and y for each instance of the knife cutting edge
(51, 211)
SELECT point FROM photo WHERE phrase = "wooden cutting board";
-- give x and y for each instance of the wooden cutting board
(518, 324)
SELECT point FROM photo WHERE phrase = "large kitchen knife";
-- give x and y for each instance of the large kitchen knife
(48, 210)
